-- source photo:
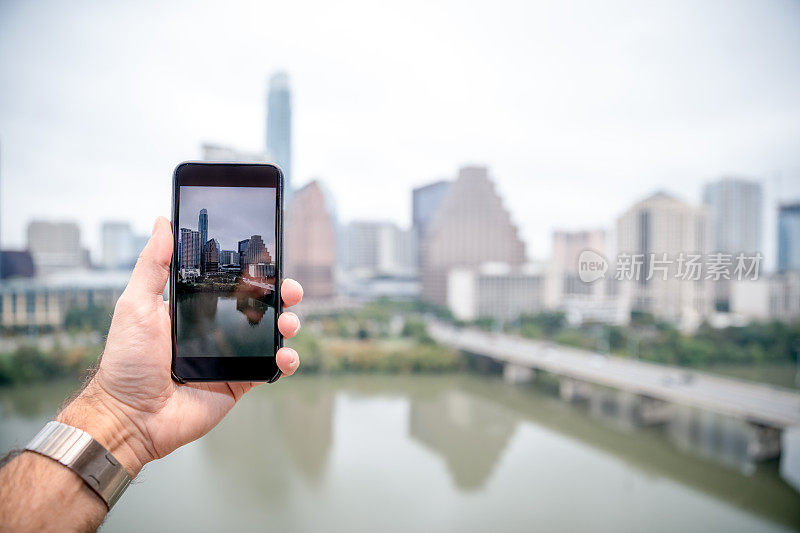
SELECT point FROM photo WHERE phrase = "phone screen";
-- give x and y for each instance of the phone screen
(226, 273)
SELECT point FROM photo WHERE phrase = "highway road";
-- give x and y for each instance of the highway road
(762, 404)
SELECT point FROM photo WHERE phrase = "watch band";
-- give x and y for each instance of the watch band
(78, 451)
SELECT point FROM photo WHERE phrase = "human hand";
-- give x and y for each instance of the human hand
(131, 405)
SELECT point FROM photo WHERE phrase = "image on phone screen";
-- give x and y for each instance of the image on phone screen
(225, 288)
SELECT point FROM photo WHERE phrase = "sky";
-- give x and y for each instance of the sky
(234, 213)
(579, 109)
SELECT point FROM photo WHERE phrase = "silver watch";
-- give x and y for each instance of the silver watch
(78, 451)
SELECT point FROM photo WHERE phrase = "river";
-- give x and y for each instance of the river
(428, 453)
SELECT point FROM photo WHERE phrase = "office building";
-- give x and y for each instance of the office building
(735, 216)
(16, 264)
(279, 125)
(425, 201)
(770, 297)
(310, 222)
(497, 291)
(229, 258)
(218, 152)
(28, 305)
(189, 249)
(120, 247)
(202, 228)
(568, 245)
(735, 224)
(652, 281)
(253, 251)
(210, 263)
(374, 248)
(470, 227)
(789, 237)
(55, 246)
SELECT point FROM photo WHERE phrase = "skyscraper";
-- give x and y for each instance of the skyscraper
(55, 246)
(279, 125)
(310, 226)
(118, 245)
(253, 251)
(425, 201)
(211, 257)
(471, 226)
(789, 237)
(734, 208)
(202, 226)
(662, 224)
(372, 248)
(189, 249)
(202, 229)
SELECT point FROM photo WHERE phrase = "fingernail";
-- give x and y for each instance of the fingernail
(155, 227)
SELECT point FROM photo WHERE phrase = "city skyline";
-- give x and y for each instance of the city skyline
(247, 211)
(590, 114)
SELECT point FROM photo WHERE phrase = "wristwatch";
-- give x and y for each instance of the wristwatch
(78, 451)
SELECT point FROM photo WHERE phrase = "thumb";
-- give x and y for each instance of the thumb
(152, 269)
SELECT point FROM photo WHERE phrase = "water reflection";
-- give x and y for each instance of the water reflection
(212, 325)
(277, 433)
(449, 453)
(470, 434)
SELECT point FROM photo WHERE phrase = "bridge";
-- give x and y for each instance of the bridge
(653, 388)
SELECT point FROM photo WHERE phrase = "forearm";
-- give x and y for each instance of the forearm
(39, 494)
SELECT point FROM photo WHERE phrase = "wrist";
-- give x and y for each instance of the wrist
(95, 412)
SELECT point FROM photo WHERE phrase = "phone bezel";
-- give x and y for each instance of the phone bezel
(226, 174)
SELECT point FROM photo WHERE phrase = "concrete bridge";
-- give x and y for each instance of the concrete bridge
(651, 391)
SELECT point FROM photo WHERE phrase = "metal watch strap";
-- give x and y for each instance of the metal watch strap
(78, 451)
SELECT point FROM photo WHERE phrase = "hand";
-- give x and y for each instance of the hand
(131, 405)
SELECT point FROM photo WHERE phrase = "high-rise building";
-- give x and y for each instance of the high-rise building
(734, 209)
(189, 249)
(789, 237)
(218, 152)
(279, 125)
(202, 228)
(652, 237)
(210, 257)
(425, 201)
(118, 245)
(375, 248)
(55, 246)
(229, 258)
(568, 245)
(310, 226)
(253, 251)
(470, 227)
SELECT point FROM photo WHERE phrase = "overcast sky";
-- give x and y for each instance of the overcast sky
(579, 109)
(234, 213)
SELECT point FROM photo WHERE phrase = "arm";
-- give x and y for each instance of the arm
(131, 405)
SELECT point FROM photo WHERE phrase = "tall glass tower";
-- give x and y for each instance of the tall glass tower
(789, 237)
(279, 125)
(202, 227)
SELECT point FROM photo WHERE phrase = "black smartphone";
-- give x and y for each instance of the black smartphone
(226, 270)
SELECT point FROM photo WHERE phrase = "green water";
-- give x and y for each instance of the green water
(429, 453)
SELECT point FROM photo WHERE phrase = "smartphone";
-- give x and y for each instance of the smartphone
(226, 270)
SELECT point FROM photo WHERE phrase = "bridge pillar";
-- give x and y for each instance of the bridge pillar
(653, 411)
(571, 390)
(517, 374)
(765, 443)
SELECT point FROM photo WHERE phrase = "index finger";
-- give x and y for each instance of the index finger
(291, 292)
